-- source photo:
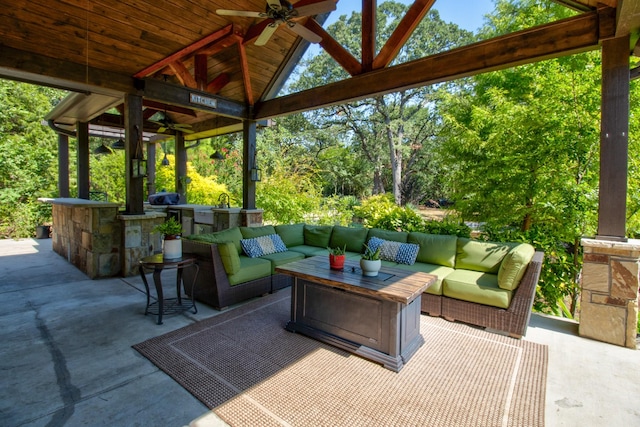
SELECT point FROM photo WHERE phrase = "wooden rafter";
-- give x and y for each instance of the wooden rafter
(341, 55)
(200, 71)
(368, 33)
(218, 83)
(183, 74)
(401, 34)
(572, 35)
(246, 77)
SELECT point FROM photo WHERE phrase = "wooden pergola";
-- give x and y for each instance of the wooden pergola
(203, 69)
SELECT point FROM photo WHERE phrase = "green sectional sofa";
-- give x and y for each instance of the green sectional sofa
(487, 284)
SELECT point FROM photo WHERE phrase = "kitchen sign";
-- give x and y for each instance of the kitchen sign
(194, 98)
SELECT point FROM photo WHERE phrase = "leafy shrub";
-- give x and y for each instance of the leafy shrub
(380, 211)
(448, 225)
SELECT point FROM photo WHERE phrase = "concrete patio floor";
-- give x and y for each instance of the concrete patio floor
(66, 354)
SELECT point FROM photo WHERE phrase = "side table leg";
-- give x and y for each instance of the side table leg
(193, 288)
(158, 283)
(146, 287)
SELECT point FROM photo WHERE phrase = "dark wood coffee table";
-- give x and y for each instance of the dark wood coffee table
(377, 318)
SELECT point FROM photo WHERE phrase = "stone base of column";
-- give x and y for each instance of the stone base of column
(251, 217)
(609, 298)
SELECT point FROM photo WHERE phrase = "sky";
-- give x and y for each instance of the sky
(467, 14)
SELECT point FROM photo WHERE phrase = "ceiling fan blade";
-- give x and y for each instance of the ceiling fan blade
(274, 4)
(266, 34)
(305, 33)
(245, 13)
(315, 8)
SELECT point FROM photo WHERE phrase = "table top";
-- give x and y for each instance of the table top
(392, 284)
(158, 260)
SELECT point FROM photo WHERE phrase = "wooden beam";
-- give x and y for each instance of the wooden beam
(341, 55)
(133, 150)
(401, 34)
(183, 74)
(174, 109)
(218, 83)
(572, 35)
(182, 53)
(178, 95)
(368, 33)
(16, 64)
(200, 71)
(246, 77)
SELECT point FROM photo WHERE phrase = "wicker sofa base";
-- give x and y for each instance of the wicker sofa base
(512, 321)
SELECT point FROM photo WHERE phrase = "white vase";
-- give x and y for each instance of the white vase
(369, 267)
(172, 248)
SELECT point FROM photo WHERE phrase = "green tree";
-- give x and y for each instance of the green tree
(385, 129)
(28, 153)
(520, 148)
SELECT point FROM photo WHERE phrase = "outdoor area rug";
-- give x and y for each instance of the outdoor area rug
(250, 371)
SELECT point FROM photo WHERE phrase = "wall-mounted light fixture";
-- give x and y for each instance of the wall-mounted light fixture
(138, 168)
(256, 174)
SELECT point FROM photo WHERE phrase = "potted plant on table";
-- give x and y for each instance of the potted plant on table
(370, 262)
(171, 231)
(337, 257)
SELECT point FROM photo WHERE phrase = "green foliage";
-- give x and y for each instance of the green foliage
(170, 227)
(287, 198)
(382, 212)
(337, 250)
(448, 225)
(371, 255)
(28, 150)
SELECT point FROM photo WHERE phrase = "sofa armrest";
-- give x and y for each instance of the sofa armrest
(522, 300)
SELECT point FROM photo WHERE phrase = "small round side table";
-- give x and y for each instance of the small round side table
(163, 305)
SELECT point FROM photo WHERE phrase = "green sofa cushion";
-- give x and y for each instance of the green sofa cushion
(308, 251)
(280, 258)
(250, 269)
(230, 235)
(476, 286)
(253, 232)
(351, 237)
(396, 236)
(480, 256)
(438, 270)
(230, 257)
(317, 235)
(291, 234)
(437, 249)
(514, 266)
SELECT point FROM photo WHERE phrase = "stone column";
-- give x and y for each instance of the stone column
(609, 298)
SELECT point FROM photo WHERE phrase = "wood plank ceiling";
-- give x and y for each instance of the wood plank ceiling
(166, 50)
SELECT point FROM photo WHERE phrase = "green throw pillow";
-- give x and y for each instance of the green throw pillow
(317, 235)
(230, 257)
(351, 237)
(514, 266)
(291, 234)
(480, 256)
(230, 235)
(252, 232)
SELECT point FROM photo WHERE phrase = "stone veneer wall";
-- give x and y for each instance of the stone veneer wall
(88, 235)
(251, 217)
(138, 239)
(609, 298)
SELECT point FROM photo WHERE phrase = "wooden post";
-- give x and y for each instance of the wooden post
(151, 168)
(181, 167)
(63, 165)
(248, 162)
(83, 159)
(614, 139)
(133, 148)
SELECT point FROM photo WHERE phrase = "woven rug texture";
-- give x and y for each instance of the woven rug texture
(246, 367)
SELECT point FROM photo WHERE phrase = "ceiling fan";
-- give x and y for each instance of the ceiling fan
(283, 12)
(166, 123)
